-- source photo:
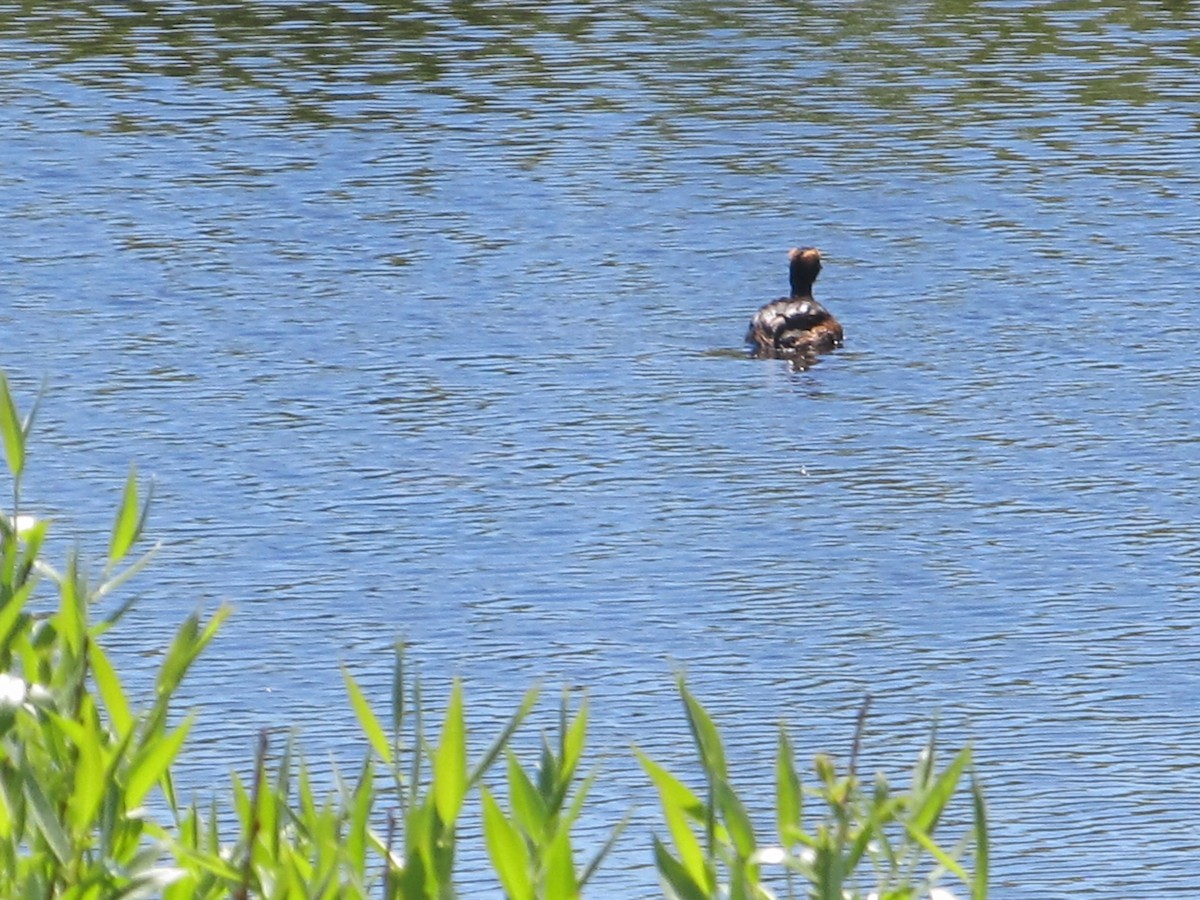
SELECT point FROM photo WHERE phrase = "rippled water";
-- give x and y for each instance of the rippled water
(426, 319)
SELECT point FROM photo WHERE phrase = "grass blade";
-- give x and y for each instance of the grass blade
(367, 719)
(704, 732)
(506, 847)
(938, 794)
(450, 760)
(502, 739)
(678, 805)
(47, 822)
(737, 822)
(153, 760)
(110, 689)
(11, 431)
(979, 889)
(676, 875)
(125, 524)
(789, 797)
(561, 881)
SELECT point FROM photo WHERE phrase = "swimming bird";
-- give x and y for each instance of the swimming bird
(796, 327)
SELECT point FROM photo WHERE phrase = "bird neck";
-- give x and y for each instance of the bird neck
(801, 287)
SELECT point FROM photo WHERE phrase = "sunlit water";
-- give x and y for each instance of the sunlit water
(426, 320)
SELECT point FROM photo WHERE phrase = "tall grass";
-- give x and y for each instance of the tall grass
(862, 840)
(79, 758)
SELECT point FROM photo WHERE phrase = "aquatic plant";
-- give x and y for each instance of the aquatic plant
(76, 760)
(714, 851)
(79, 761)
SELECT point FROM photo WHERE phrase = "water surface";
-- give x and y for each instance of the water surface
(426, 319)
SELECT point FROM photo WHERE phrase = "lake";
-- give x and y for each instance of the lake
(426, 320)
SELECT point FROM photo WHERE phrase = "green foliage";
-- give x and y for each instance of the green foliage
(76, 760)
(714, 851)
(80, 760)
(531, 848)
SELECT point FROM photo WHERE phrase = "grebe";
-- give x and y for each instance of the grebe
(796, 327)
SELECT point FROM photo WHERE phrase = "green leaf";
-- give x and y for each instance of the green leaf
(502, 739)
(572, 745)
(676, 875)
(47, 822)
(509, 855)
(109, 686)
(113, 582)
(943, 858)
(933, 800)
(367, 719)
(398, 702)
(613, 836)
(704, 732)
(678, 804)
(567, 819)
(155, 756)
(90, 776)
(450, 760)
(190, 640)
(871, 828)
(529, 809)
(11, 431)
(12, 615)
(789, 797)
(71, 618)
(547, 775)
(128, 523)
(979, 888)
(359, 824)
(737, 822)
(828, 873)
(561, 883)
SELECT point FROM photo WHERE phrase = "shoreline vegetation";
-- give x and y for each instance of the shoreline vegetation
(79, 757)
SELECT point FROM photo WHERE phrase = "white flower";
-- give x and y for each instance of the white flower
(21, 524)
(770, 856)
(12, 690)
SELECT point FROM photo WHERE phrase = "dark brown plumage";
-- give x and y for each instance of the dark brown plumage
(796, 327)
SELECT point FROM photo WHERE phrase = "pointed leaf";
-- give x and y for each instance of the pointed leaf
(737, 822)
(934, 850)
(42, 812)
(502, 739)
(573, 743)
(127, 522)
(90, 775)
(934, 800)
(561, 882)
(592, 866)
(529, 809)
(71, 618)
(979, 888)
(367, 719)
(10, 430)
(509, 855)
(676, 875)
(359, 823)
(678, 804)
(704, 732)
(155, 756)
(12, 614)
(450, 760)
(398, 698)
(109, 686)
(789, 797)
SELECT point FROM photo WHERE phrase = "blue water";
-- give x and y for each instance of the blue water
(427, 322)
